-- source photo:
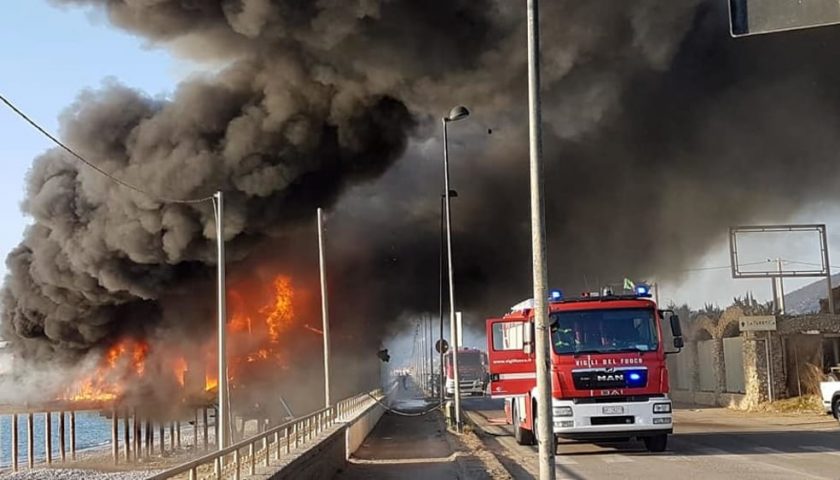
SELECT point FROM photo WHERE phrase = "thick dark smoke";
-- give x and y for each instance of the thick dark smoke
(660, 132)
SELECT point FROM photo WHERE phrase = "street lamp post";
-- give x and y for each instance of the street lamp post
(325, 312)
(457, 113)
(441, 378)
(222, 415)
(431, 355)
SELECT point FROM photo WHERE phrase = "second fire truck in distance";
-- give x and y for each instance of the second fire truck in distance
(609, 379)
(472, 372)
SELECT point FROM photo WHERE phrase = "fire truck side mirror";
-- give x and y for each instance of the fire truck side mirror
(528, 338)
(676, 330)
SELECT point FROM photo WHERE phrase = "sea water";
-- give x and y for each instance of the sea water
(92, 430)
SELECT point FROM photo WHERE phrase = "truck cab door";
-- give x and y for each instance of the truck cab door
(511, 364)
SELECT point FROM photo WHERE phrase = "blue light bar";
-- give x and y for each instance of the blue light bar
(556, 295)
(642, 290)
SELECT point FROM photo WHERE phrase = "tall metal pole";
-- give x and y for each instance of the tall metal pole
(781, 287)
(453, 333)
(325, 312)
(423, 352)
(431, 354)
(222, 417)
(545, 424)
(441, 381)
(824, 241)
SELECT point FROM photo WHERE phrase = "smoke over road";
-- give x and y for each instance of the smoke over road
(660, 132)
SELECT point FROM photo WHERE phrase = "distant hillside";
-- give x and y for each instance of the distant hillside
(807, 298)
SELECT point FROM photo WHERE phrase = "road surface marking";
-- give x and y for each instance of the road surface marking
(673, 458)
(391, 461)
(716, 452)
(820, 449)
(772, 451)
(617, 459)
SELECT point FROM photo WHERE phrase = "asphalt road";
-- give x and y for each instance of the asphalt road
(707, 444)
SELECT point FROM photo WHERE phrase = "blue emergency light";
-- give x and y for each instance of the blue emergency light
(642, 290)
(636, 378)
(556, 295)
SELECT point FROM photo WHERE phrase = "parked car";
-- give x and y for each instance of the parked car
(830, 390)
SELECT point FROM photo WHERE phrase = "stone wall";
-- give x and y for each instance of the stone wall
(704, 327)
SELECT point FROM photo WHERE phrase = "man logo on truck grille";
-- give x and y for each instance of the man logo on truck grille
(610, 377)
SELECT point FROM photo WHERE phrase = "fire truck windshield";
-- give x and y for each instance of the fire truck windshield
(468, 359)
(604, 331)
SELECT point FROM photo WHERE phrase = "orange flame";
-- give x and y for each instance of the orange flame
(281, 313)
(255, 328)
(210, 383)
(179, 368)
(107, 382)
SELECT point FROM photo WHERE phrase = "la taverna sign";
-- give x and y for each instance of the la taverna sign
(758, 323)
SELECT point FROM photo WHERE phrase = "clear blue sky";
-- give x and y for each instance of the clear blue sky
(49, 55)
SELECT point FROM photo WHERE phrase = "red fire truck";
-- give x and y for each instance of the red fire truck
(472, 372)
(609, 379)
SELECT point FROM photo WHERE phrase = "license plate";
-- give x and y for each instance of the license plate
(613, 410)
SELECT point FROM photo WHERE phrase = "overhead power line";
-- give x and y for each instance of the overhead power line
(729, 267)
(810, 264)
(722, 267)
(119, 181)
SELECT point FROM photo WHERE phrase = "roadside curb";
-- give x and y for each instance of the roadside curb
(480, 455)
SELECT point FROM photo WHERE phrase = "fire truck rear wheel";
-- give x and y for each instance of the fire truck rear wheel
(522, 435)
(657, 443)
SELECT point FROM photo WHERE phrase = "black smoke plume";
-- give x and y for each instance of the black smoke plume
(660, 132)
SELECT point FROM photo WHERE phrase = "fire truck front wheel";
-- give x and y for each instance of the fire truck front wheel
(656, 443)
(522, 435)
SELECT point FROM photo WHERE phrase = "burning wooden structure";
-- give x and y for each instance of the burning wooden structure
(157, 395)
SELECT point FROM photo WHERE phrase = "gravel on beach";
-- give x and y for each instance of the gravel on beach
(73, 474)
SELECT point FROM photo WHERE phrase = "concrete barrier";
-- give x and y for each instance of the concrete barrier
(326, 458)
(358, 430)
(323, 460)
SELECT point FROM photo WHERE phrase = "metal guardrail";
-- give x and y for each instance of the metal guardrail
(276, 442)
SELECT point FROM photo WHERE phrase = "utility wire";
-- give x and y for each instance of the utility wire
(809, 263)
(125, 184)
(722, 267)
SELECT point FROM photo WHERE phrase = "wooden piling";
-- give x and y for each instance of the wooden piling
(15, 452)
(72, 435)
(150, 446)
(115, 436)
(206, 432)
(195, 430)
(172, 437)
(48, 436)
(135, 427)
(127, 435)
(216, 428)
(30, 439)
(62, 444)
(161, 430)
(178, 434)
